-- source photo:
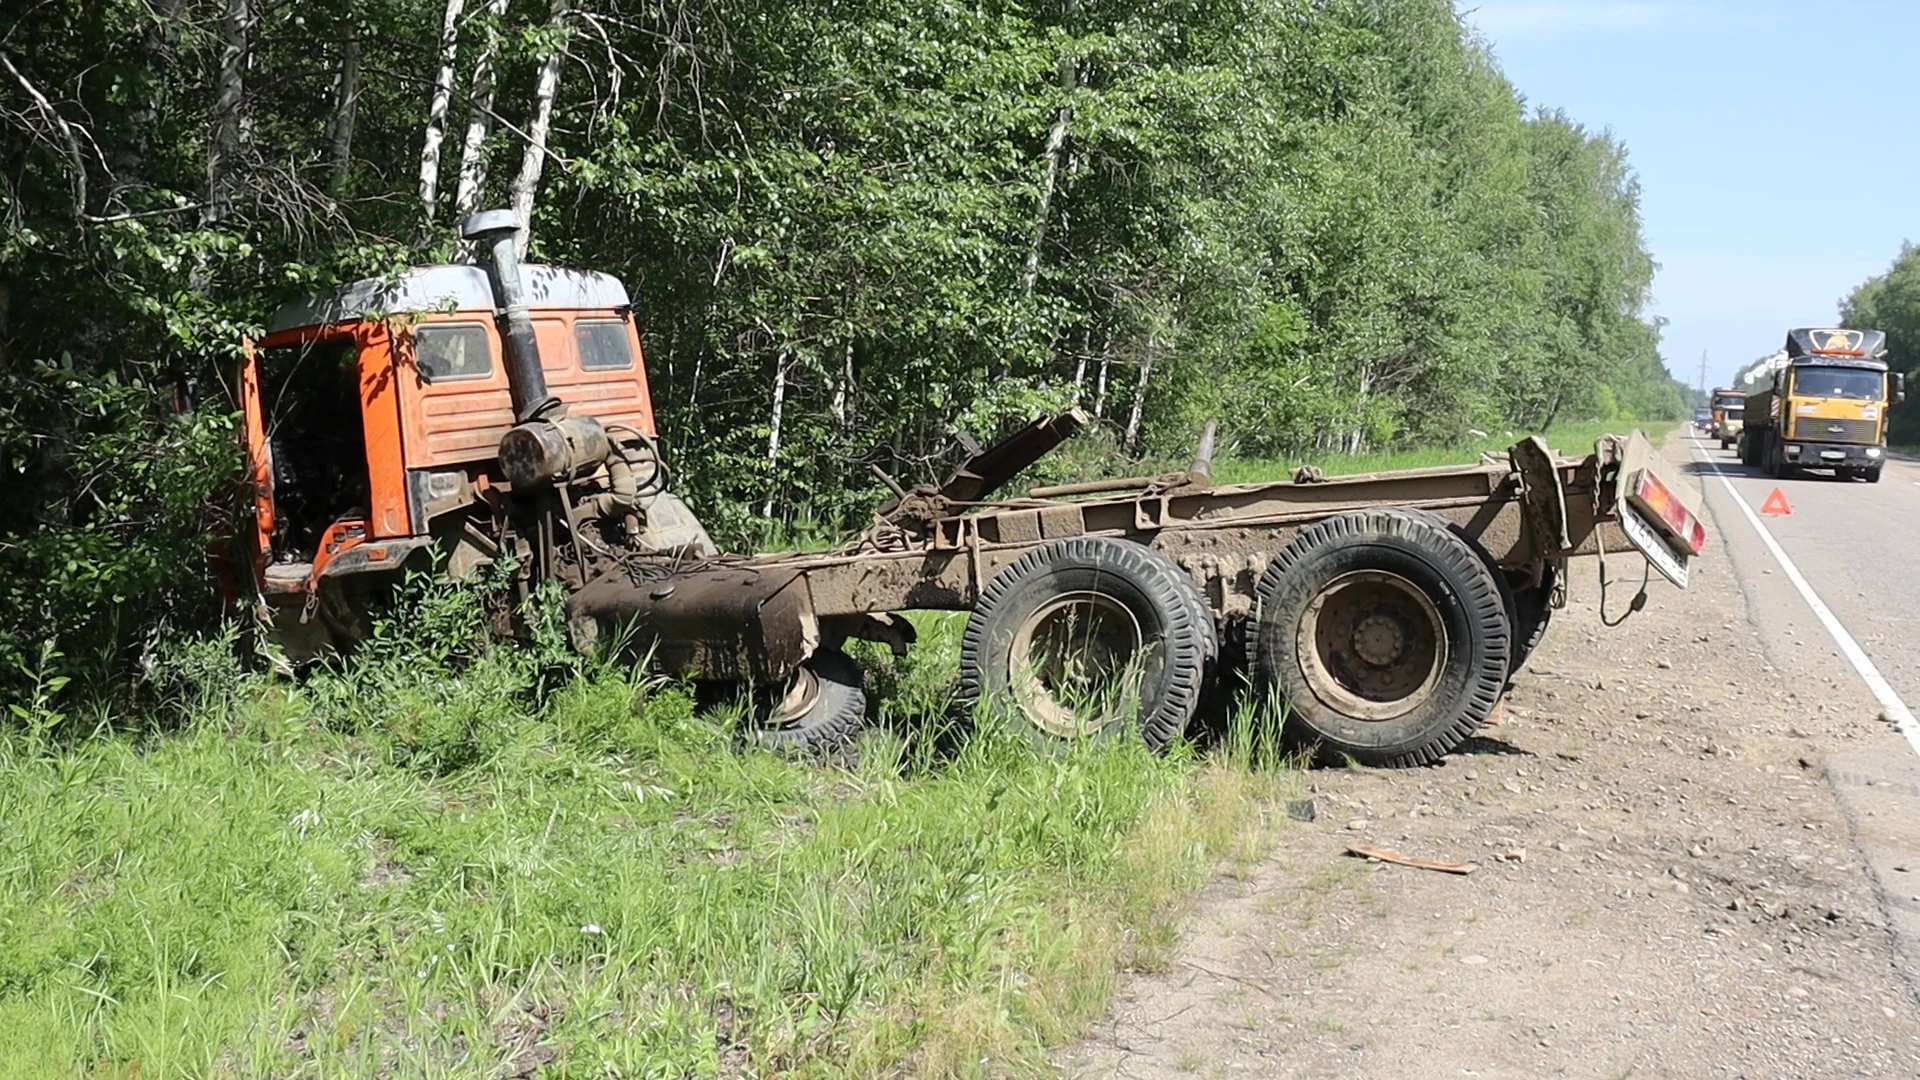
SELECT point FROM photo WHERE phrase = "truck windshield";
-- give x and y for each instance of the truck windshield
(1839, 382)
(1727, 402)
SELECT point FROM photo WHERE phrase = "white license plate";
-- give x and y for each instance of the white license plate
(1671, 564)
(1833, 455)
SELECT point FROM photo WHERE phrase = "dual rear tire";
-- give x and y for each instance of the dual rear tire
(1388, 634)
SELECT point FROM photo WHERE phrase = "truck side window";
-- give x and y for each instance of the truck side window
(443, 352)
(603, 344)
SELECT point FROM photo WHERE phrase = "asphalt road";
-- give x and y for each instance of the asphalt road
(1852, 545)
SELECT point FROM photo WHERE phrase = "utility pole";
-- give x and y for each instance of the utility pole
(1703, 373)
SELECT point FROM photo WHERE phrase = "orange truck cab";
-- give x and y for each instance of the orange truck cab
(374, 417)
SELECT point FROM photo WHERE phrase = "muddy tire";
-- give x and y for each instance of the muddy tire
(819, 711)
(1532, 611)
(1091, 638)
(1385, 633)
(1527, 609)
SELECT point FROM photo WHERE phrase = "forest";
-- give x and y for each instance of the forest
(1891, 302)
(853, 230)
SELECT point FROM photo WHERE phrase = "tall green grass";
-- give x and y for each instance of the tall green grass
(450, 859)
(447, 860)
(1573, 439)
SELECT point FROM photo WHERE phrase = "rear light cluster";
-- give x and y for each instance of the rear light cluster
(1672, 514)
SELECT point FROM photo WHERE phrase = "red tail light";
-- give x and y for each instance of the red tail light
(1666, 509)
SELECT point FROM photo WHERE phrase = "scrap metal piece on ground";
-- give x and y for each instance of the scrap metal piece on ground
(1392, 856)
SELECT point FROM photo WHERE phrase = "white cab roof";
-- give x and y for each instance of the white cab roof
(447, 288)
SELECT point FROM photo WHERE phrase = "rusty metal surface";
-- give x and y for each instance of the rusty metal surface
(758, 617)
(726, 622)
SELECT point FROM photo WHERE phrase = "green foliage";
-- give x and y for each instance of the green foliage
(1331, 225)
(428, 863)
(1891, 302)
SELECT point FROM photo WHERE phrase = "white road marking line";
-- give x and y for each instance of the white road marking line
(1897, 710)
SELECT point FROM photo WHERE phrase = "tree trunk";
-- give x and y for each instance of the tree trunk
(230, 128)
(437, 111)
(346, 106)
(473, 162)
(1056, 148)
(773, 427)
(527, 184)
(159, 43)
(843, 388)
(1139, 402)
(1100, 388)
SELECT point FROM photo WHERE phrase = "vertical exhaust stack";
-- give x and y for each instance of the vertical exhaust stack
(546, 446)
(497, 229)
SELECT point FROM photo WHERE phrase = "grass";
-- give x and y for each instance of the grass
(452, 862)
(1573, 439)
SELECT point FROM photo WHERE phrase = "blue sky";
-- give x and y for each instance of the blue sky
(1778, 147)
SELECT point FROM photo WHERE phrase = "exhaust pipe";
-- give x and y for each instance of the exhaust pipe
(1200, 473)
(546, 446)
(498, 229)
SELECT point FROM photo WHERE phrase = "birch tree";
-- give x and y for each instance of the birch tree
(527, 184)
(437, 110)
(230, 128)
(1056, 149)
(473, 160)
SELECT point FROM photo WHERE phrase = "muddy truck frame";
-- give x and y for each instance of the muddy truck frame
(462, 417)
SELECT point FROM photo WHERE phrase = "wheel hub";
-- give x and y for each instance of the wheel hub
(1379, 639)
(1076, 664)
(1372, 645)
(803, 693)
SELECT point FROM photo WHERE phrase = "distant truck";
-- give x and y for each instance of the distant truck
(1822, 405)
(1728, 415)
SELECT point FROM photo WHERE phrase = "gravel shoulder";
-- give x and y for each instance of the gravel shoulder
(1665, 884)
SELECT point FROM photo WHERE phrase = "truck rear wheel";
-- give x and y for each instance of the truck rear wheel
(1090, 637)
(1386, 635)
(820, 709)
(1532, 610)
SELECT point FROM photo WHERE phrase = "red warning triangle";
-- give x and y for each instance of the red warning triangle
(1776, 504)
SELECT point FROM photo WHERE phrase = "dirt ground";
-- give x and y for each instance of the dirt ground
(1665, 886)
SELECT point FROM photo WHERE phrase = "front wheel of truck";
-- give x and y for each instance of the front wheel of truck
(1871, 474)
(1386, 635)
(820, 709)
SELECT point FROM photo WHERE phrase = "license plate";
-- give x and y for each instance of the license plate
(1833, 455)
(1671, 564)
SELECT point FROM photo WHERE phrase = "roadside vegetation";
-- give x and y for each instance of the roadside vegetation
(1570, 439)
(1333, 226)
(1891, 302)
(440, 860)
